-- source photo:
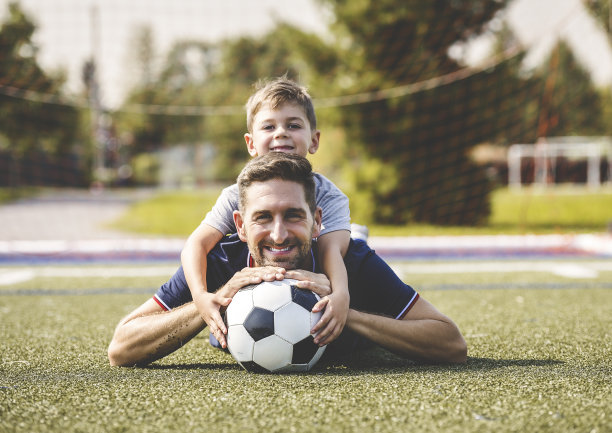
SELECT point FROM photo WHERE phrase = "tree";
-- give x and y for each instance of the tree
(424, 135)
(208, 77)
(601, 10)
(570, 103)
(29, 124)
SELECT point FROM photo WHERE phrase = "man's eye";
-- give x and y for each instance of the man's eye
(260, 218)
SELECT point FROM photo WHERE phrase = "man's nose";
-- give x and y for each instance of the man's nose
(278, 232)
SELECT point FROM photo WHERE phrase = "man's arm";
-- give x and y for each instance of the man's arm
(149, 333)
(423, 334)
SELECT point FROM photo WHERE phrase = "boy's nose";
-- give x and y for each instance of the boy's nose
(280, 132)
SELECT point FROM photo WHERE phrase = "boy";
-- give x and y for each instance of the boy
(280, 118)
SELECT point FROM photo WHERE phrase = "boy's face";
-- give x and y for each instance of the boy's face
(285, 129)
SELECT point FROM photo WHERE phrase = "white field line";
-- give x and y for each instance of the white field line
(581, 269)
(10, 276)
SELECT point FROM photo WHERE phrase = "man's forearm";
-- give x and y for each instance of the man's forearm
(144, 339)
(431, 340)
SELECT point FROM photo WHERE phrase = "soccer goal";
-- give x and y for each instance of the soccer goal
(547, 152)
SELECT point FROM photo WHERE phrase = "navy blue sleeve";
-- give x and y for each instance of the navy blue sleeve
(224, 260)
(174, 293)
(373, 286)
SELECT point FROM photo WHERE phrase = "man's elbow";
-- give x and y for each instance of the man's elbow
(118, 356)
(457, 352)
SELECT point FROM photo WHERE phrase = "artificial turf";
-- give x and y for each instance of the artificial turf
(539, 360)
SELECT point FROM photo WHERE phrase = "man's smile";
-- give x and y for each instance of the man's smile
(278, 249)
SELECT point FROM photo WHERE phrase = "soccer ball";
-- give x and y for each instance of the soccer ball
(268, 327)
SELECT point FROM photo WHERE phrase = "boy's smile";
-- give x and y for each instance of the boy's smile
(285, 129)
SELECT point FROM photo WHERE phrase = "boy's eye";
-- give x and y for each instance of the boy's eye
(294, 126)
(267, 127)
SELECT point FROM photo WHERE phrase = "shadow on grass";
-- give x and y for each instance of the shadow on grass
(193, 366)
(377, 361)
(380, 361)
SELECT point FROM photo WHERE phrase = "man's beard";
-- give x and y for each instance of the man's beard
(298, 260)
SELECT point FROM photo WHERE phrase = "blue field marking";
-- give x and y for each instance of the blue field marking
(434, 287)
(527, 247)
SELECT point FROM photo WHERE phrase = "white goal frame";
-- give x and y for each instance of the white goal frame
(546, 151)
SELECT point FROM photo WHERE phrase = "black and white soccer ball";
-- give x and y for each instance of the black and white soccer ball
(268, 327)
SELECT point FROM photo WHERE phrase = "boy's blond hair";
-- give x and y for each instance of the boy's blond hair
(277, 92)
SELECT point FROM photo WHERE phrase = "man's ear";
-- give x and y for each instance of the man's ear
(239, 226)
(248, 138)
(314, 141)
(318, 218)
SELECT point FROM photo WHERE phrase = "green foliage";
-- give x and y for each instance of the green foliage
(423, 135)
(28, 125)
(196, 75)
(567, 85)
(601, 11)
(146, 169)
(372, 184)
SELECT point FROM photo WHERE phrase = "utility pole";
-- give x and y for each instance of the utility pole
(91, 73)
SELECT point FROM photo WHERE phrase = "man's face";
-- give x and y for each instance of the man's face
(277, 224)
(285, 129)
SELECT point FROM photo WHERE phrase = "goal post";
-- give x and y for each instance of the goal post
(546, 152)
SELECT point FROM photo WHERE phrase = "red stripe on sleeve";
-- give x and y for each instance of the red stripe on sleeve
(160, 304)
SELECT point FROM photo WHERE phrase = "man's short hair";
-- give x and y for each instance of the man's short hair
(278, 92)
(278, 165)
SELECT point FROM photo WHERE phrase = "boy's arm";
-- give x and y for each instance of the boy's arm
(332, 247)
(193, 258)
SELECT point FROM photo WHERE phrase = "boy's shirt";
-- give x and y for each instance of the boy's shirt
(335, 205)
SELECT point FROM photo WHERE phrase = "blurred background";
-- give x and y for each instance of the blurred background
(473, 113)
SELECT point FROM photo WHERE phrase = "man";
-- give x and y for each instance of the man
(276, 222)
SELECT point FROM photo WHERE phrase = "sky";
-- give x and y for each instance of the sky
(66, 34)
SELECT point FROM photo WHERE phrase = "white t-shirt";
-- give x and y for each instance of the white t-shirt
(335, 205)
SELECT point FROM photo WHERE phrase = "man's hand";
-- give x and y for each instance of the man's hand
(336, 305)
(212, 305)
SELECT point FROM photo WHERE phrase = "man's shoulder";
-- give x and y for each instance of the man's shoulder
(230, 248)
(358, 250)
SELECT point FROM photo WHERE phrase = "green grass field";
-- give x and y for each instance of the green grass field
(539, 361)
(554, 210)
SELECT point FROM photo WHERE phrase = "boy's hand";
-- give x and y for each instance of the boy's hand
(332, 322)
(336, 305)
(318, 283)
(211, 305)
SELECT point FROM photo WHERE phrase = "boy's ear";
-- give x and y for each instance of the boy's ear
(239, 226)
(314, 142)
(248, 138)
